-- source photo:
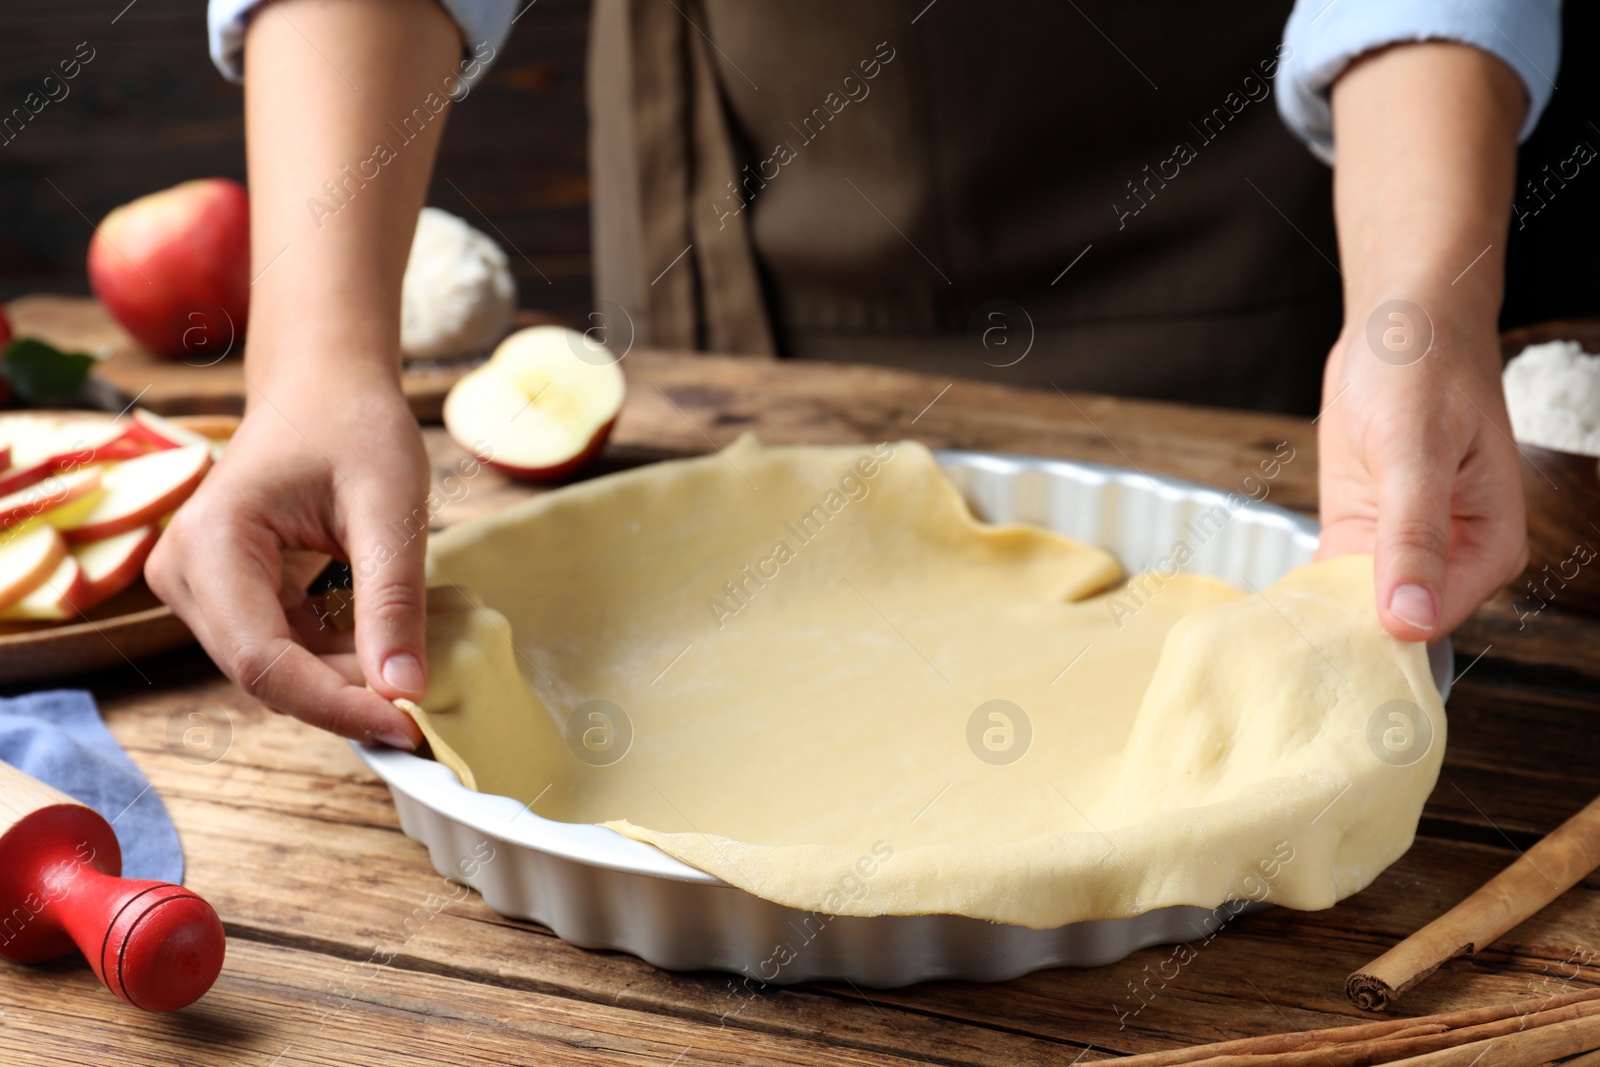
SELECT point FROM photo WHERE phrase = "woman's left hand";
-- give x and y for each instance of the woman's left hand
(1417, 467)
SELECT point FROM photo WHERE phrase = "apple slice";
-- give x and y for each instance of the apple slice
(140, 491)
(40, 437)
(541, 408)
(136, 440)
(29, 554)
(47, 497)
(43, 445)
(112, 564)
(53, 600)
(174, 435)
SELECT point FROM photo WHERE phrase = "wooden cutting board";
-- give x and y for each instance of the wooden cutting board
(195, 386)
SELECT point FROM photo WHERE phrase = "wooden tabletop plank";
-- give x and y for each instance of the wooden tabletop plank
(1518, 761)
(689, 404)
(1553, 648)
(286, 1006)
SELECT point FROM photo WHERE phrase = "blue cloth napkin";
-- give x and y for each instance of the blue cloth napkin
(58, 737)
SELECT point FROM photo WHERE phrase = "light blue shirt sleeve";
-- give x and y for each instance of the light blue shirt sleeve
(484, 26)
(1324, 37)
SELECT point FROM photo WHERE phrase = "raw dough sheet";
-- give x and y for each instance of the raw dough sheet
(811, 672)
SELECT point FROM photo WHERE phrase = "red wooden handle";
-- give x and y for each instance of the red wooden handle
(157, 946)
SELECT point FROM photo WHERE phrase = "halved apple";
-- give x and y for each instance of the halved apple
(112, 564)
(29, 554)
(59, 498)
(536, 410)
(140, 491)
(52, 600)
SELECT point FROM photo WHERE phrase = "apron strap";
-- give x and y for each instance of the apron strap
(686, 277)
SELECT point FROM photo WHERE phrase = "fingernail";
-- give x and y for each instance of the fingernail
(403, 671)
(1414, 604)
(395, 739)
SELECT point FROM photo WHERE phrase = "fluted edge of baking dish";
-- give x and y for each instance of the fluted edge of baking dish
(598, 889)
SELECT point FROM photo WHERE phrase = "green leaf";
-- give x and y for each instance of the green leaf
(43, 374)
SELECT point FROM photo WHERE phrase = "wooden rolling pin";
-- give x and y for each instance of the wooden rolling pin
(157, 946)
(1534, 879)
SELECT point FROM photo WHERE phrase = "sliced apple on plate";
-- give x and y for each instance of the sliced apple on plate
(42, 445)
(55, 599)
(541, 408)
(139, 491)
(59, 499)
(170, 434)
(29, 554)
(111, 564)
(133, 442)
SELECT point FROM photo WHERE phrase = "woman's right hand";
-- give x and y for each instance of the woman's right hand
(334, 467)
(328, 459)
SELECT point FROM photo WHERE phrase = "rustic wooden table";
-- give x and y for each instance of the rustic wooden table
(345, 947)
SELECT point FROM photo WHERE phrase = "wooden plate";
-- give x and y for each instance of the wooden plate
(131, 626)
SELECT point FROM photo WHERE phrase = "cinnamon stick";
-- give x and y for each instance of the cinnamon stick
(1405, 1048)
(1537, 877)
(1380, 1042)
(1529, 1048)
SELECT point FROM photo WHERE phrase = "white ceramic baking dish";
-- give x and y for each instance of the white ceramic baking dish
(598, 889)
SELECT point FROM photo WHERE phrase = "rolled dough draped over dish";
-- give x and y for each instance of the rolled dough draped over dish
(801, 643)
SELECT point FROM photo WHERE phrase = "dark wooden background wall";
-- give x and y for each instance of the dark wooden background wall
(149, 111)
(1552, 270)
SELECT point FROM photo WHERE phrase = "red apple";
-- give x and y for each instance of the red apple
(112, 564)
(541, 408)
(53, 600)
(140, 491)
(29, 554)
(174, 268)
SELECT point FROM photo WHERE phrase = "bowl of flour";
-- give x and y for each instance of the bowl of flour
(1553, 396)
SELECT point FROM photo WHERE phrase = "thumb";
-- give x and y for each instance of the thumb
(1412, 547)
(386, 562)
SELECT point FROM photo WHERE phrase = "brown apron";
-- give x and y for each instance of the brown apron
(1017, 194)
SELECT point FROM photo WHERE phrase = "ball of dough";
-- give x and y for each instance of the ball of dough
(458, 293)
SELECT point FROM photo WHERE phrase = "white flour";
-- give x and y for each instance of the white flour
(1553, 392)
